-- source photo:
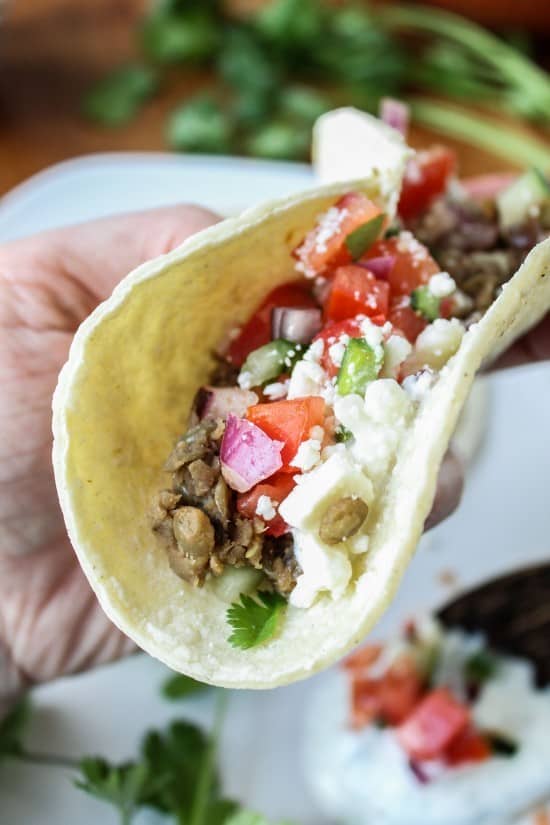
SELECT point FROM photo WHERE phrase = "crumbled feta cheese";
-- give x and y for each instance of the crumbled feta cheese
(328, 391)
(372, 333)
(418, 385)
(396, 349)
(265, 508)
(328, 226)
(307, 378)
(336, 351)
(317, 432)
(244, 380)
(441, 285)
(386, 403)
(324, 569)
(435, 345)
(308, 455)
(339, 476)
(277, 390)
(315, 351)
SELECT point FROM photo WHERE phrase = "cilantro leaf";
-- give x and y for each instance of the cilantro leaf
(364, 236)
(480, 667)
(12, 728)
(244, 817)
(176, 36)
(179, 686)
(255, 620)
(125, 786)
(200, 124)
(117, 98)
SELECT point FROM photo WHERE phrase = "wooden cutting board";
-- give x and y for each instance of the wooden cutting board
(51, 51)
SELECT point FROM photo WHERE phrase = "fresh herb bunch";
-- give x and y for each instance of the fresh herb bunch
(277, 70)
(175, 771)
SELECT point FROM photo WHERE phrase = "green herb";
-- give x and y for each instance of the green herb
(201, 124)
(343, 435)
(177, 36)
(279, 140)
(358, 241)
(179, 686)
(119, 96)
(12, 728)
(255, 620)
(360, 365)
(125, 786)
(501, 744)
(392, 232)
(251, 818)
(425, 303)
(480, 667)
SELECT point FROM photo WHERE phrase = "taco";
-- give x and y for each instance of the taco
(246, 517)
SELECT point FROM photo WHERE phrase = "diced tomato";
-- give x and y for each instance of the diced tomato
(429, 730)
(356, 291)
(468, 746)
(413, 264)
(362, 658)
(390, 698)
(277, 489)
(289, 421)
(324, 247)
(405, 319)
(426, 177)
(257, 331)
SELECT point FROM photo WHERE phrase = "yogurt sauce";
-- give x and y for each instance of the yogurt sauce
(363, 777)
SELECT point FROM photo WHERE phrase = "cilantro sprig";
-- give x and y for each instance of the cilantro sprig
(255, 619)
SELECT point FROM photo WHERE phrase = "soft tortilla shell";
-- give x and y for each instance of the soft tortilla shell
(124, 395)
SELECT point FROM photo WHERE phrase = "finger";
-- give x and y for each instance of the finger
(95, 255)
(449, 490)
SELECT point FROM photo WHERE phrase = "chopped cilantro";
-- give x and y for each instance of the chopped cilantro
(425, 303)
(501, 744)
(12, 728)
(358, 241)
(342, 435)
(118, 97)
(392, 232)
(480, 667)
(125, 786)
(255, 620)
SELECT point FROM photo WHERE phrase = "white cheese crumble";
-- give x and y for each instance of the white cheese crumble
(277, 390)
(329, 225)
(308, 455)
(372, 333)
(336, 351)
(435, 345)
(315, 351)
(441, 285)
(307, 378)
(265, 508)
(244, 380)
(325, 569)
(396, 350)
(418, 385)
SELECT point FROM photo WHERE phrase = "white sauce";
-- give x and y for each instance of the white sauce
(363, 778)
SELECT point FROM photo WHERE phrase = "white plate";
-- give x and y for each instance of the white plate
(502, 524)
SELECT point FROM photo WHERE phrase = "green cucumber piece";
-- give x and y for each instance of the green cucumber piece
(513, 204)
(424, 302)
(268, 362)
(358, 241)
(360, 365)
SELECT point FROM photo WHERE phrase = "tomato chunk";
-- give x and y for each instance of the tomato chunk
(288, 421)
(277, 489)
(405, 319)
(356, 291)
(469, 746)
(433, 725)
(427, 176)
(361, 659)
(390, 698)
(257, 331)
(413, 265)
(324, 247)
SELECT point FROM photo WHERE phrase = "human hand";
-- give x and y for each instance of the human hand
(50, 621)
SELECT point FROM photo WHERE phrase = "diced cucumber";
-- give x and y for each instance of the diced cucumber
(425, 302)
(358, 241)
(360, 365)
(268, 362)
(532, 189)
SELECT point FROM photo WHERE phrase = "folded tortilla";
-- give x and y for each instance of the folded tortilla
(124, 396)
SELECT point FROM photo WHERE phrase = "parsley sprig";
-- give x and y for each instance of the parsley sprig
(255, 619)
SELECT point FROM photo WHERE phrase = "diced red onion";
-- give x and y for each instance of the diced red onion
(380, 266)
(219, 402)
(247, 454)
(297, 325)
(396, 114)
(418, 771)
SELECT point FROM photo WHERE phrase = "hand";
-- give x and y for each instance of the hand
(50, 621)
(535, 346)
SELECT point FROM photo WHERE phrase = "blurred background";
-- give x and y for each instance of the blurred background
(249, 77)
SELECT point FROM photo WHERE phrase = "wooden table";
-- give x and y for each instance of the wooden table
(51, 51)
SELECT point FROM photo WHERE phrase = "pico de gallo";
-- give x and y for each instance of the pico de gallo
(431, 728)
(293, 440)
